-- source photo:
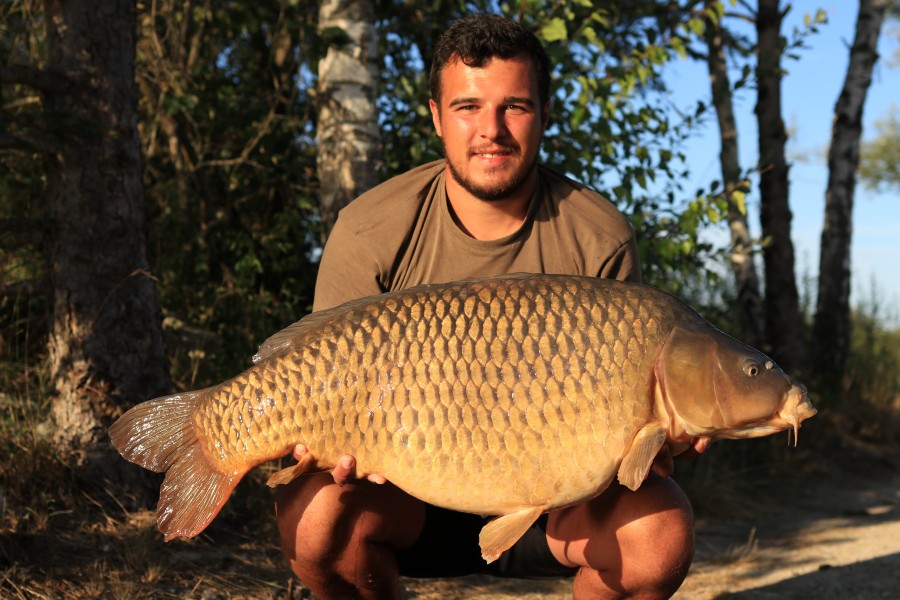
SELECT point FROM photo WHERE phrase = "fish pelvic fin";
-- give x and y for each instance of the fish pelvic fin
(288, 474)
(637, 461)
(159, 435)
(500, 534)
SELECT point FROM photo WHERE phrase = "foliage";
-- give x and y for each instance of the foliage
(879, 166)
(23, 310)
(871, 398)
(228, 132)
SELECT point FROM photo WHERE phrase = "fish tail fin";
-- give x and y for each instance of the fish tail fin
(159, 435)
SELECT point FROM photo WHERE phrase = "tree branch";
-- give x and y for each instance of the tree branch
(27, 287)
(21, 102)
(22, 226)
(39, 79)
(31, 141)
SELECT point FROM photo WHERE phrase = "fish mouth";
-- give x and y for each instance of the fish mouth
(796, 409)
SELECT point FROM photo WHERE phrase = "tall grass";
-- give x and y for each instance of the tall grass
(869, 405)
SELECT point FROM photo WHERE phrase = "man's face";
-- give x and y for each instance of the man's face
(490, 121)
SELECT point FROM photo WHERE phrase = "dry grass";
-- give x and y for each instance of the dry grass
(90, 552)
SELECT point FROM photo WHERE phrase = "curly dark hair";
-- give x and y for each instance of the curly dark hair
(476, 39)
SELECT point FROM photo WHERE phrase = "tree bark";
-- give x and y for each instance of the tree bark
(750, 302)
(784, 325)
(105, 349)
(832, 323)
(349, 141)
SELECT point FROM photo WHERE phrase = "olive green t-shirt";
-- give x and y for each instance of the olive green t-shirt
(401, 233)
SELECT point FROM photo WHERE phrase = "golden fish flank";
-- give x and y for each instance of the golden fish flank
(522, 394)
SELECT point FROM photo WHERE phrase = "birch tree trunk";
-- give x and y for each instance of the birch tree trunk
(746, 280)
(105, 349)
(349, 142)
(832, 322)
(784, 325)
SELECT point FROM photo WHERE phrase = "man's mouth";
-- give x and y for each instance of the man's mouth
(494, 152)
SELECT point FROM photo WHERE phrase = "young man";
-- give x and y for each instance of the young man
(488, 209)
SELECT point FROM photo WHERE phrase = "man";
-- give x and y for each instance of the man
(488, 209)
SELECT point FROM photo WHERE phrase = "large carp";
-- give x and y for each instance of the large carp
(509, 396)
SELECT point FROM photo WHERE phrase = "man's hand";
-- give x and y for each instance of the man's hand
(343, 471)
(663, 464)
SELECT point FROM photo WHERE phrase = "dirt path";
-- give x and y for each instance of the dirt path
(835, 538)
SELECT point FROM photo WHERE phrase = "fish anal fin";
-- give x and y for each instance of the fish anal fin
(637, 461)
(192, 494)
(305, 464)
(501, 533)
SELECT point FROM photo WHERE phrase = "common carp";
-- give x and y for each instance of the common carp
(508, 396)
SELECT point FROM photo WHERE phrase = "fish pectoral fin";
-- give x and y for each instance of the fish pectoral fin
(501, 533)
(304, 465)
(637, 461)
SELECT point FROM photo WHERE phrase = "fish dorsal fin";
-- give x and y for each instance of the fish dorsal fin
(500, 534)
(287, 337)
(637, 462)
(284, 340)
(278, 343)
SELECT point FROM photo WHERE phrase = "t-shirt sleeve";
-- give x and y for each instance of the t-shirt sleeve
(347, 270)
(624, 264)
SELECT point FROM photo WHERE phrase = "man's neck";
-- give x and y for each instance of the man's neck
(488, 219)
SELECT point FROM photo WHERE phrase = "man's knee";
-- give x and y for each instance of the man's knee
(312, 519)
(318, 520)
(658, 547)
(629, 543)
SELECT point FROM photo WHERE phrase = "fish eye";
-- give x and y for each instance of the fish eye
(751, 368)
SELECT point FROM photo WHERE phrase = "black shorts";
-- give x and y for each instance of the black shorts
(448, 547)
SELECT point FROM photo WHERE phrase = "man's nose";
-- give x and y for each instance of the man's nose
(493, 124)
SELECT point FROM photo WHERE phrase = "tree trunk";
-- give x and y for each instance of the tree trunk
(784, 325)
(349, 141)
(832, 324)
(105, 350)
(750, 301)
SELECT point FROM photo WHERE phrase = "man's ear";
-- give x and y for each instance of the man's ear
(435, 116)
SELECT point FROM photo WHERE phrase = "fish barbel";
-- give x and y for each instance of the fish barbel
(508, 396)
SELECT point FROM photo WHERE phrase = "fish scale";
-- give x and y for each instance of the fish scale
(508, 396)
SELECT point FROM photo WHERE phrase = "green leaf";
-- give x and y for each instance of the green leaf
(554, 30)
(697, 26)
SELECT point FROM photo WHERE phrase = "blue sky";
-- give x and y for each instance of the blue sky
(809, 93)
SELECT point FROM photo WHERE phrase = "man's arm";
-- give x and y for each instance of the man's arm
(624, 264)
(348, 270)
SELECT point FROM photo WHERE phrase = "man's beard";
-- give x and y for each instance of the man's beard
(497, 191)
